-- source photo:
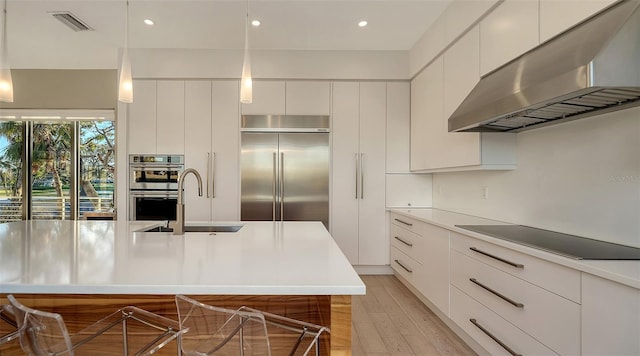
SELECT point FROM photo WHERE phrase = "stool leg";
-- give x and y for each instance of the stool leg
(241, 342)
(125, 341)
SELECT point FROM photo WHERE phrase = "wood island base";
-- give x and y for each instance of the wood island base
(80, 310)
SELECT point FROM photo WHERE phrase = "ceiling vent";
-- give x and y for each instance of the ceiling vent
(71, 20)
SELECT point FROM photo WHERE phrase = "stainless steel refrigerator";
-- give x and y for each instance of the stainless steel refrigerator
(285, 168)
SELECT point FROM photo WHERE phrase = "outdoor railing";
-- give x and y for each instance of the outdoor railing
(51, 208)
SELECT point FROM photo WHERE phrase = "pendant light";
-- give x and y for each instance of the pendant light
(125, 86)
(246, 82)
(6, 83)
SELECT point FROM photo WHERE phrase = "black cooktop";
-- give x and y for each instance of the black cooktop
(576, 247)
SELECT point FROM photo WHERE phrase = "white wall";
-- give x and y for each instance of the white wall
(580, 177)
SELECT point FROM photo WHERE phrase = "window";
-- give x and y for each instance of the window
(56, 165)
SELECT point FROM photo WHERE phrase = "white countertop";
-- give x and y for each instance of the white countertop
(625, 272)
(110, 257)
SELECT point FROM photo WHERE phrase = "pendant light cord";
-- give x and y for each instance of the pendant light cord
(126, 26)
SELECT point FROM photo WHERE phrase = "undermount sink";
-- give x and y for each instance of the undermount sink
(196, 228)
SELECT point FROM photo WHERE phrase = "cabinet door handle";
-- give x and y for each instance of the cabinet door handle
(497, 294)
(403, 241)
(361, 176)
(213, 175)
(403, 266)
(281, 186)
(516, 265)
(274, 181)
(208, 172)
(504, 346)
(357, 171)
(403, 222)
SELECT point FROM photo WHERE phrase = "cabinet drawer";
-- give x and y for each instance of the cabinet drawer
(558, 279)
(464, 309)
(407, 267)
(548, 317)
(407, 242)
(410, 224)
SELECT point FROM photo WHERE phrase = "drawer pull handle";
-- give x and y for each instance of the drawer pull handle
(403, 222)
(403, 241)
(403, 266)
(506, 299)
(507, 348)
(516, 265)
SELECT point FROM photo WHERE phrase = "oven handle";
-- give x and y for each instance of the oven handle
(163, 166)
(154, 194)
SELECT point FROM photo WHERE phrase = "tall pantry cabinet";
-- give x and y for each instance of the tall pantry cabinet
(358, 171)
(211, 147)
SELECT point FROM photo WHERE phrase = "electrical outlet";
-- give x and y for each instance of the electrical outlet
(485, 193)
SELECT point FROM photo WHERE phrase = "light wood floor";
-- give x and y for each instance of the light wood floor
(390, 320)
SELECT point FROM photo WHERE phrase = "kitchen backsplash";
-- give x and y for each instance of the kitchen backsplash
(580, 177)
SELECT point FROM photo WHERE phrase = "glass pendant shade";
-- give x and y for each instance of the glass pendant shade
(125, 88)
(125, 83)
(6, 83)
(246, 83)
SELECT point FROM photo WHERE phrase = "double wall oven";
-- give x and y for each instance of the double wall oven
(153, 186)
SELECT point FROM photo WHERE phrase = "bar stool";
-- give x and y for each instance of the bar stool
(7, 316)
(45, 333)
(245, 331)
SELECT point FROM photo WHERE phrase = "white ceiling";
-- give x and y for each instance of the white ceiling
(37, 40)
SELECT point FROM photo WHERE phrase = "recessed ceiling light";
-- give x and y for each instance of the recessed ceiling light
(255, 23)
(148, 22)
(362, 23)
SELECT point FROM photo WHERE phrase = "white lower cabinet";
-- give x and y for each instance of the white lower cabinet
(547, 317)
(490, 330)
(610, 317)
(436, 257)
(510, 302)
(406, 266)
(420, 254)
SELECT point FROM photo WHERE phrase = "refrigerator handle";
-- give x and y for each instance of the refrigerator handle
(213, 175)
(362, 176)
(208, 171)
(273, 208)
(356, 162)
(281, 186)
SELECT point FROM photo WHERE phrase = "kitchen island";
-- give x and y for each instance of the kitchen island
(85, 269)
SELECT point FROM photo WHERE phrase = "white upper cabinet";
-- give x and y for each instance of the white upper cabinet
(170, 117)
(279, 97)
(426, 116)
(507, 32)
(558, 16)
(142, 118)
(461, 74)
(461, 70)
(308, 98)
(398, 126)
(435, 95)
(268, 98)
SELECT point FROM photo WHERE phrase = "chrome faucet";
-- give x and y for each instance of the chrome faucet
(178, 225)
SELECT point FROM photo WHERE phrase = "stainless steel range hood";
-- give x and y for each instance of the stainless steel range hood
(588, 70)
